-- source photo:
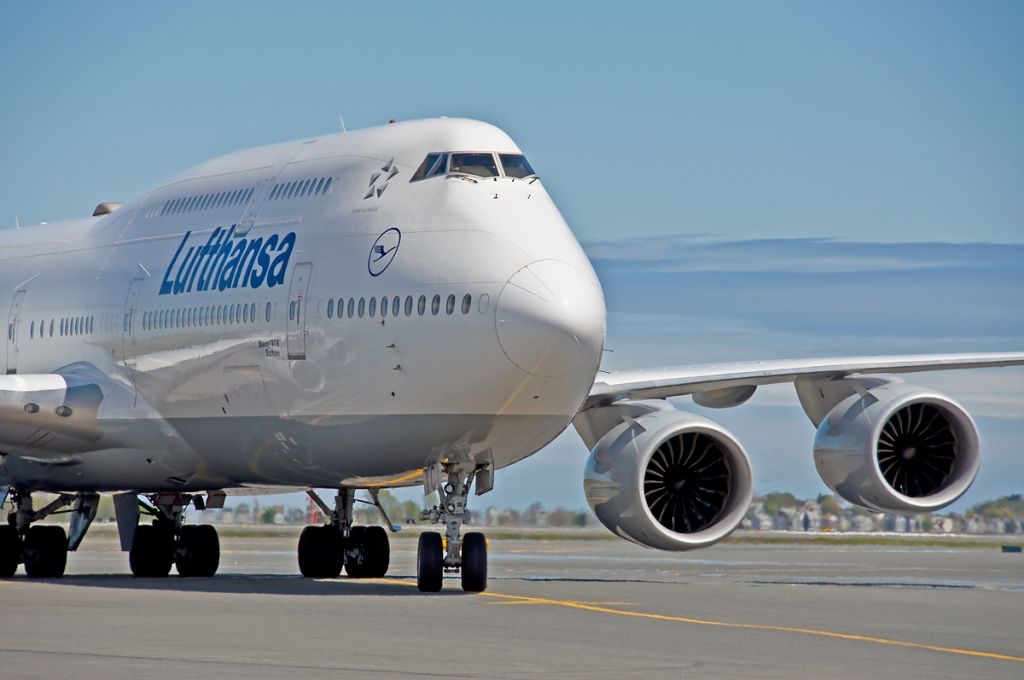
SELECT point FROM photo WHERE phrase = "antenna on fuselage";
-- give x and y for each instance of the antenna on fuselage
(341, 120)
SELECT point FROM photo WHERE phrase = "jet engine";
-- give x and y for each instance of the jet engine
(897, 448)
(669, 479)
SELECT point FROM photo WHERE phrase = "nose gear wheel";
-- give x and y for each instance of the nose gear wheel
(466, 554)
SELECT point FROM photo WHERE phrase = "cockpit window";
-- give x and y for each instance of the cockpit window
(433, 165)
(479, 164)
(516, 165)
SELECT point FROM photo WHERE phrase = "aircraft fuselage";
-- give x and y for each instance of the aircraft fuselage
(305, 315)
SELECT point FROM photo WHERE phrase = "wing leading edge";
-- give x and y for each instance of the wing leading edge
(743, 377)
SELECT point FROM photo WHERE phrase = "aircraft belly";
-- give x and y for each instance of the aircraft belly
(323, 451)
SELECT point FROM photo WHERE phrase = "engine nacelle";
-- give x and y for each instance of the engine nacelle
(898, 448)
(670, 480)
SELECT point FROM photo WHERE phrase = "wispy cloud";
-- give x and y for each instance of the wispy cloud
(827, 256)
(810, 295)
(692, 300)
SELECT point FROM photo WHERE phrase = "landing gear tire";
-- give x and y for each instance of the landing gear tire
(321, 552)
(379, 549)
(369, 552)
(152, 552)
(355, 551)
(10, 551)
(474, 562)
(197, 552)
(429, 562)
(45, 551)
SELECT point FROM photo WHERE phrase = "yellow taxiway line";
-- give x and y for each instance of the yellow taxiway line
(796, 630)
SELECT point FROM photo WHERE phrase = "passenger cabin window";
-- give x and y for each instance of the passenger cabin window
(479, 164)
(516, 165)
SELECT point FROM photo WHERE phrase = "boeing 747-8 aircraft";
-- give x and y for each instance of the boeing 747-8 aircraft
(396, 306)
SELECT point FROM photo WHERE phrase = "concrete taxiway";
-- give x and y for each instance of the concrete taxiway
(572, 608)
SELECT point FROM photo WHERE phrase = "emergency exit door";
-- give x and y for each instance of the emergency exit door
(298, 291)
(13, 323)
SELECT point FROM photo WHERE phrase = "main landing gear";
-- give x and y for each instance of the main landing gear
(467, 554)
(43, 549)
(364, 552)
(193, 549)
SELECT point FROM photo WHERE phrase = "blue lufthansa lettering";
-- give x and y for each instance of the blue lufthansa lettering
(280, 263)
(226, 262)
(263, 260)
(167, 285)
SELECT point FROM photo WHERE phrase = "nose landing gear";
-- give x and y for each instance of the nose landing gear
(466, 554)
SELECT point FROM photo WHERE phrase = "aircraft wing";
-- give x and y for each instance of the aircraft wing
(712, 379)
(64, 411)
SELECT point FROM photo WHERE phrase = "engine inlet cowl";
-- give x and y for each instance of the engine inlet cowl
(898, 448)
(670, 480)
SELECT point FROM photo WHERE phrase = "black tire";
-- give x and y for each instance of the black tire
(474, 562)
(45, 551)
(377, 552)
(211, 541)
(429, 562)
(197, 552)
(152, 552)
(356, 553)
(321, 552)
(10, 551)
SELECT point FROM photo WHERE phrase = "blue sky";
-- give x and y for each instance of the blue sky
(752, 179)
(866, 120)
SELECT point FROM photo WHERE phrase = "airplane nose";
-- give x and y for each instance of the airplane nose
(550, 319)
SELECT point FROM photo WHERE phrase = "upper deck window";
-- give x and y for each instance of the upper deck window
(433, 165)
(479, 164)
(516, 165)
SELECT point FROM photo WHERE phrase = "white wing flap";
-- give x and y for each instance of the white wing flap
(675, 382)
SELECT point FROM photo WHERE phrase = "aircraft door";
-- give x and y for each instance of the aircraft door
(298, 291)
(130, 326)
(13, 321)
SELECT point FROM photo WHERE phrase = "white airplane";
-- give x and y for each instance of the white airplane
(396, 306)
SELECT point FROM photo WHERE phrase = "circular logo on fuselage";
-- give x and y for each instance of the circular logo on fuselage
(383, 251)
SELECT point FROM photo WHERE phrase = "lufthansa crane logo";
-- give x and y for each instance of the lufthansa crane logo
(383, 251)
(379, 179)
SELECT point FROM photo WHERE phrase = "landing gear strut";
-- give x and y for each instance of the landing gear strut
(193, 549)
(364, 552)
(43, 549)
(466, 554)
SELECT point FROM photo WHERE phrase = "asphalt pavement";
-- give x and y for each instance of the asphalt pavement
(572, 608)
